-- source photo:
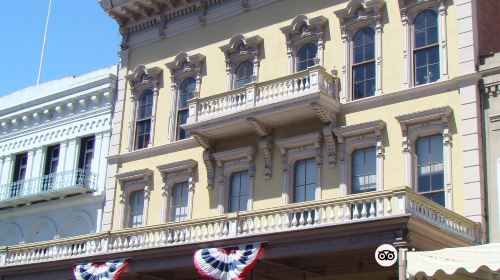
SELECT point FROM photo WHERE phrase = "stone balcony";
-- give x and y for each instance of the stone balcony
(55, 185)
(427, 222)
(307, 94)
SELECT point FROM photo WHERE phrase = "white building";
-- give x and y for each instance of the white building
(54, 139)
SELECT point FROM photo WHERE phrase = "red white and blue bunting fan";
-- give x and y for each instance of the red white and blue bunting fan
(227, 264)
(110, 270)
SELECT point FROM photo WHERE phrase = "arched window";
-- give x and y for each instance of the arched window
(238, 192)
(180, 202)
(430, 168)
(364, 171)
(304, 180)
(186, 92)
(363, 67)
(143, 120)
(306, 56)
(136, 209)
(426, 48)
(244, 74)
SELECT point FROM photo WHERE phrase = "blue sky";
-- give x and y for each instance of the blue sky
(81, 38)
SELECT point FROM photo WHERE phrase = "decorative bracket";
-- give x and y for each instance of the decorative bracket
(261, 129)
(202, 140)
(208, 159)
(323, 115)
(330, 143)
(265, 146)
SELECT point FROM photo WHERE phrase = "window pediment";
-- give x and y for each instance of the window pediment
(360, 13)
(135, 175)
(440, 114)
(244, 154)
(304, 29)
(143, 78)
(374, 127)
(186, 65)
(416, 5)
(241, 48)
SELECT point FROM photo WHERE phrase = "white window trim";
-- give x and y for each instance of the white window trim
(426, 123)
(409, 9)
(295, 38)
(183, 67)
(350, 23)
(174, 173)
(229, 162)
(133, 181)
(298, 148)
(235, 57)
(360, 136)
(141, 79)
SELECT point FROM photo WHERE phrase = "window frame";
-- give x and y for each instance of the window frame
(297, 148)
(230, 188)
(174, 173)
(140, 80)
(363, 174)
(129, 212)
(186, 109)
(83, 161)
(183, 67)
(415, 50)
(239, 50)
(364, 63)
(421, 124)
(353, 18)
(136, 180)
(301, 31)
(417, 166)
(294, 182)
(185, 185)
(409, 10)
(147, 119)
(229, 162)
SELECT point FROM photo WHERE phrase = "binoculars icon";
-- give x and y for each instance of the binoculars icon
(386, 255)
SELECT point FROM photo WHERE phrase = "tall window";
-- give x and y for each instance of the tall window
(306, 55)
(304, 180)
(364, 178)
(244, 74)
(51, 163)
(426, 48)
(186, 92)
(136, 208)
(86, 152)
(143, 120)
(430, 168)
(179, 202)
(19, 174)
(363, 69)
(238, 192)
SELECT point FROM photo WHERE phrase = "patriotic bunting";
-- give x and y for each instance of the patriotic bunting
(227, 264)
(100, 270)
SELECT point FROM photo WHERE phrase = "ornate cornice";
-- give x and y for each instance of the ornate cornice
(360, 13)
(143, 77)
(304, 28)
(185, 64)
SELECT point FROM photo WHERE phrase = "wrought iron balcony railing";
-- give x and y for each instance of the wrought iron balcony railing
(47, 187)
(351, 209)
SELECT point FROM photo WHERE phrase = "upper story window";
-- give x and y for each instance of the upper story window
(144, 83)
(430, 168)
(51, 163)
(180, 202)
(244, 74)
(364, 172)
(186, 92)
(306, 56)
(304, 180)
(425, 41)
(363, 67)
(143, 120)
(426, 48)
(186, 72)
(238, 191)
(305, 42)
(361, 25)
(242, 60)
(136, 209)
(86, 153)
(20, 166)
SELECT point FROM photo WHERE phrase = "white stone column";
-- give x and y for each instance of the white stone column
(121, 213)
(165, 196)
(147, 197)
(345, 83)
(380, 166)
(407, 56)
(63, 148)
(285, 193)
(343, 170)
(222, 188)
(172, 131)
(71, 156)
(251, 180)
(191, 188)
(101, 171)
(447, 162)
(38, 163)
(443, 43)
(378, 58)
(29, 165)
(289, 54)
(7, 170)
(407, 161)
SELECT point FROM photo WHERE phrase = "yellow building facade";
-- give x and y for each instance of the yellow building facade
(318, 127)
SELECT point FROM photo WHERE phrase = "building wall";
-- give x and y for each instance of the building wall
(459, 92)
(60, 112)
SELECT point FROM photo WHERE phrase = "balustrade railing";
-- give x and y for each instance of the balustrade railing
(294, 217)
(314, 80)
(54, 182)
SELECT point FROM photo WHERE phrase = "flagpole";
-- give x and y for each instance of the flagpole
(43, 44)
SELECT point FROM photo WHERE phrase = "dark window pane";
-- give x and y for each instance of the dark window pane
(370, 88)
(433, 72)
(370, 71)
(358, 55)
(433, 55)
(424, 182)
(421, 76)
(420, 58)
(305, 56)
(432, 35)
(359, 74)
